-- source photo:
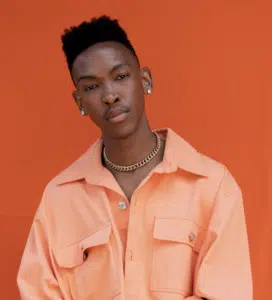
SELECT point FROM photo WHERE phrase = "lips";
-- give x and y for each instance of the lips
(114, 112)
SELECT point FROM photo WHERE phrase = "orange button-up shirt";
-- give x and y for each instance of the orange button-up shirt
(182, 236)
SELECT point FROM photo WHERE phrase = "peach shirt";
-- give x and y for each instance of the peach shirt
(183, 236)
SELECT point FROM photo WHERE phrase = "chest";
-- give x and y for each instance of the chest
(162, 232)
(130, 182)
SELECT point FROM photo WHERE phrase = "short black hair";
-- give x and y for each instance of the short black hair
(76, 39)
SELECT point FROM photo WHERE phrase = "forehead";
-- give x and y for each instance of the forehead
(102, 57)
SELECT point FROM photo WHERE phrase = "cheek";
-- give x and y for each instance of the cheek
(90, 101)
(136, 93)
(92, 106)
(138, 98)
(137, 86)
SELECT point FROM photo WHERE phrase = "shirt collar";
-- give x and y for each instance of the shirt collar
(178, 154)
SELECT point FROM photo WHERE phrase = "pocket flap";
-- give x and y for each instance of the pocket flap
(179, 230)
(73, 255)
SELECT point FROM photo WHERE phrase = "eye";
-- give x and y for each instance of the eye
(121, 76)
(90, 87)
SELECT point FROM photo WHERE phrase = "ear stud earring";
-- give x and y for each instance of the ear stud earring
(82, 112)
(149, 91)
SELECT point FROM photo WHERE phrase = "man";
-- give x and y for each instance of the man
(141, 214)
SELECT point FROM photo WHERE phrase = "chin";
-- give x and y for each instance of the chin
(122, 131)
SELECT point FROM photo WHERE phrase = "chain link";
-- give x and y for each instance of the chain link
(138, 164)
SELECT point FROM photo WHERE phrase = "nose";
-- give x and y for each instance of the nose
(110, 99)
(109, 96)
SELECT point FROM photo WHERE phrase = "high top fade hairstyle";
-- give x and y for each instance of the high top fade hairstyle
(76, 39)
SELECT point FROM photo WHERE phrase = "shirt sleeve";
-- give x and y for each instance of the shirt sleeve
(36, 278)
(223, 270)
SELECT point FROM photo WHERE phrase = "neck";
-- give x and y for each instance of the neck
(133, 148)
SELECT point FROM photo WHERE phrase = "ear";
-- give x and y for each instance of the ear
(77, 98)
(146, 80)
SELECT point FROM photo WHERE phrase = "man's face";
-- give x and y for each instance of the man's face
(110, 88)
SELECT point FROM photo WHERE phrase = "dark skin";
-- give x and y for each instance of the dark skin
(107, 75)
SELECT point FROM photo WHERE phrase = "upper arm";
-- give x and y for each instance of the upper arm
(224, 270)
(36, 278)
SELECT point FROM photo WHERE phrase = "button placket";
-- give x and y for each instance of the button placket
(132, 234)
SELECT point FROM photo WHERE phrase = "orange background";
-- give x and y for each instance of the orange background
(212, 72)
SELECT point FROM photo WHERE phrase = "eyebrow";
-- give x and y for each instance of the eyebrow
(111, 71)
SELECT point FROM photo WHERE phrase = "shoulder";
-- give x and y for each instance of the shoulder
(77, 170)
(219, 173)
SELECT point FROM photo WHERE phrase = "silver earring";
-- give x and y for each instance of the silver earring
(149, 91)
(82, 112)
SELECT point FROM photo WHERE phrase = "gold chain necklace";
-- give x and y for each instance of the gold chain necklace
(138, 164)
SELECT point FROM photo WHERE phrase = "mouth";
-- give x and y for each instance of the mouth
(119, 118)
(117, 115)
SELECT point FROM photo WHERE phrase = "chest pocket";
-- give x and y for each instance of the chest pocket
(176, 244)
(89, 266)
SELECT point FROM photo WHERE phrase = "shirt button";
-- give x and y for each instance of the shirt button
(122, 205)
(192, 237)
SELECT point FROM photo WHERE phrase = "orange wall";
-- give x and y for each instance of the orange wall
(211, 65)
